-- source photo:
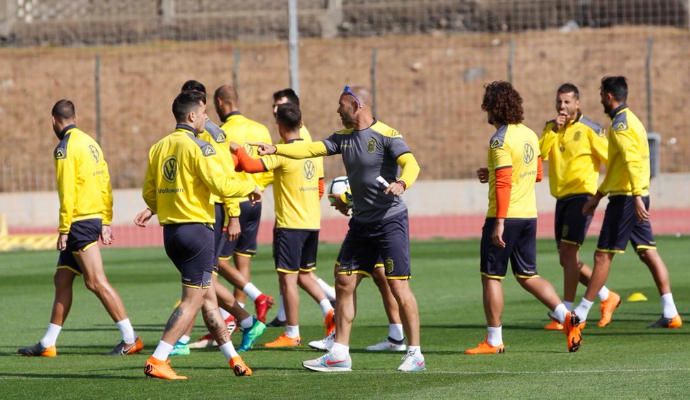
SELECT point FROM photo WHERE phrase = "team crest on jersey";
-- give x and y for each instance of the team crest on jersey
(208, 150)
(94, 152)
(620, 126)
(371, 145)
(495, 144)
(389, 265)
(60, 153)
(528, 153)
(221, 137)
(561, 147)
(169, 169)
(577, 136)
(309, 169)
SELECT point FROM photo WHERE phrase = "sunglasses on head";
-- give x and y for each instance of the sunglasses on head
(348, 91)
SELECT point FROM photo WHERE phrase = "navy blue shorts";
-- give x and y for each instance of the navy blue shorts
(245, 245)
(190, 247)
(294, 250)
(621, 225)
(520, 237)
(570, 225)
(82, 235)
(220, 236)
(367, 244)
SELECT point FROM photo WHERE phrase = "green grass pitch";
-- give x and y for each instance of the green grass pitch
(624, 360)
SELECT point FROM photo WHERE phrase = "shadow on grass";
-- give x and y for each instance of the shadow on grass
(31, 375)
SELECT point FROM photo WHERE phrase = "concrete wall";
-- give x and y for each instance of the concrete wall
(427, 198)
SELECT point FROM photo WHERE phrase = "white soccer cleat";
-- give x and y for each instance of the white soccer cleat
(324, 344)
(388, 345)
(412, 362)
(329, 363)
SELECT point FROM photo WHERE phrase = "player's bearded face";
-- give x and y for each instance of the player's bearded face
(606, 102)
(346, 112)
(567, 104)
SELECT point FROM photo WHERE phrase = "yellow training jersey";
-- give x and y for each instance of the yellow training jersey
(217, 138)
(243, 131)
(515, 146)
(575, 153)
(296, 191)
(182, 173)
(83, 180)
(628, 170)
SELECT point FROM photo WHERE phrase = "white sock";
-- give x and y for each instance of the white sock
(416, 350)
(240, 304)
(162, 351)
(395, 332)
(126, 330)
(292, 331)
(328, 289)
(51, 335)
(247, 322)
(326, 306)
(251, 291)
(668, 305)
(494, 335)
(559, 312)
(223, 313)
(583, 309)
(281, 310)
(228, 350)
(184, 339)
(603, 293)
(568, 305)
(340, 351)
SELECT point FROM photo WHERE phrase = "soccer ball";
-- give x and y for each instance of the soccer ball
(339, 186)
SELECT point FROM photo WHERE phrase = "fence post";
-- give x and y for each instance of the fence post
(648, 78)
(293, 45)
(167, 11)
(511, 57)
(10, 18)
(235, 67)
(374, 56)
(97, 85)
(331, 19)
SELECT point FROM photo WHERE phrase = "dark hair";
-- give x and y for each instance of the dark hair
(617, 86)
(504, 103)
(289, 116)
(193, 85)
(287, 93)
(185, 102)
(63, 109)
(569, 88)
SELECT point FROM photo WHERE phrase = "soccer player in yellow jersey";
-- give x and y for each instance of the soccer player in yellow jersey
(575, 147)
(627, 214)
(230, 310)
(371, 151)
(298, 186)
(242, 130)
(86, 209)
(510, 229)
(183, 171)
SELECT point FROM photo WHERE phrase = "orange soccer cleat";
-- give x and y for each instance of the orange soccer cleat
(161, 369)
(239, 367)
(329, 322)
(284, 341)
(485, 348)
(607, 308)
(573, 331)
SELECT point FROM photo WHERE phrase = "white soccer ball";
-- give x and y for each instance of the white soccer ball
(339, 186)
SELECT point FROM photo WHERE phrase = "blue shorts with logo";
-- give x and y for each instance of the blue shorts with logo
(245, 245)
(191, 248)
(520, 237)
(294, 250)
(622, 225)
(570, 226)
(82, 235)
(367, 244)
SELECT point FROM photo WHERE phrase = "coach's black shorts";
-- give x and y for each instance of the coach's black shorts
(366, 244)
(245, 245)
(190, 247)
(622, 225)
(82, 235)
(570, 226)
(520, 237)
(294, 250)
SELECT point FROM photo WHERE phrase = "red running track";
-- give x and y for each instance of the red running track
(664, 222)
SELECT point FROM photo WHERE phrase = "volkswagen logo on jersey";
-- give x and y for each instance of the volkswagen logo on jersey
(170, 169)
(528, 154)
(309, 169)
